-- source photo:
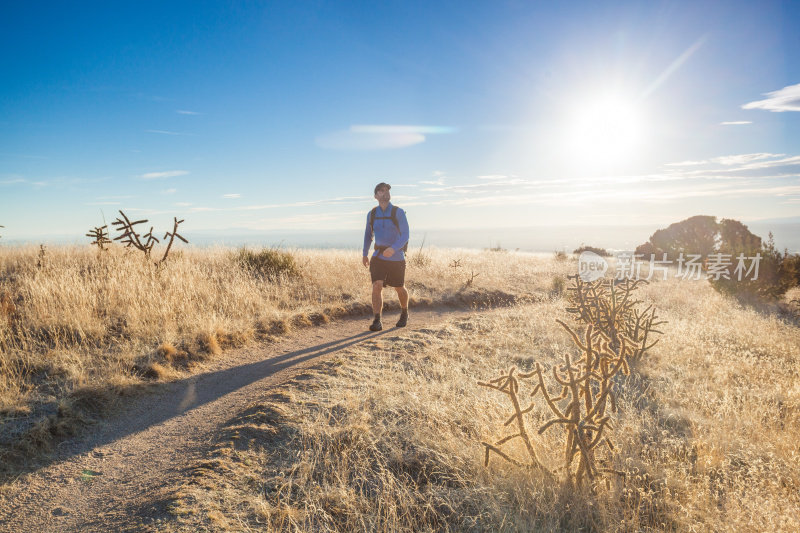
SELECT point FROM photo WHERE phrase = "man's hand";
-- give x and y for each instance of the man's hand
(389, 252)
(365, 260)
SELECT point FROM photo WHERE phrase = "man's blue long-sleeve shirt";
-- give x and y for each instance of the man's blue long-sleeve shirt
(386, 233)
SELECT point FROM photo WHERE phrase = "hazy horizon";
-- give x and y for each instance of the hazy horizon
(529, 239)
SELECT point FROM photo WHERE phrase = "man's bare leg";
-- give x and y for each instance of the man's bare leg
(377, 305)
(377, 297)
(402, 295)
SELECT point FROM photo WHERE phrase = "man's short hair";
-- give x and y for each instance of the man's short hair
(381, 185)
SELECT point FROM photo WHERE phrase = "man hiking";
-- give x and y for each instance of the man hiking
(388, 264)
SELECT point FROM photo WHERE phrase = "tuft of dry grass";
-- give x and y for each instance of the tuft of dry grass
(387, 436)
(80, 316)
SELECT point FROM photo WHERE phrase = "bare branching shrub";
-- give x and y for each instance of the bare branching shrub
(609, 306)
(145, 242)
(172, 236)
(269, 263)
(616, 332)
(130, 238)
(455, 264)
(100, 236)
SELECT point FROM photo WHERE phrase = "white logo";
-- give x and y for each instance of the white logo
(591, 266)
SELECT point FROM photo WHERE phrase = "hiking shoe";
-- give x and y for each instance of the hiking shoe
(376, 325)
(403, 319)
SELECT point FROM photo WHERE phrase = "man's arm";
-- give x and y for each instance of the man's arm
(402, 239)
(367, 241)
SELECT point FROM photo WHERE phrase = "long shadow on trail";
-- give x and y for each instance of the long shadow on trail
(173, 399)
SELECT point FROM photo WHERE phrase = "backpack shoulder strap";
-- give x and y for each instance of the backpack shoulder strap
(394, 217)
(372, 218)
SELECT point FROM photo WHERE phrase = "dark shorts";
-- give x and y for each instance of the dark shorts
(392, 273)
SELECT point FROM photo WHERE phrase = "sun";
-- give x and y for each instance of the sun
(604, 131)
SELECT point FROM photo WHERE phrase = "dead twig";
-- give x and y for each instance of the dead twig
(172, 238)
(100, 236)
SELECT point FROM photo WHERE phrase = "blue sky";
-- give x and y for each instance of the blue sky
(282, 116)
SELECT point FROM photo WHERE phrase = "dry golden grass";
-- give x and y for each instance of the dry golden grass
(76, 317)
(386, 437)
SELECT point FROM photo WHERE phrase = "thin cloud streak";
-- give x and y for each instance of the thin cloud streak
(744, 158)
(349, 140)
(165, 132)
(686, 163)
(331, 201)
(160, 175)
(786, 99)
(401, 129)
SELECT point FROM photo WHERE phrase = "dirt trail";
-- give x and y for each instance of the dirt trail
(118, 477)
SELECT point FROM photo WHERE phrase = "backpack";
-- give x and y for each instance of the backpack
(373, 215)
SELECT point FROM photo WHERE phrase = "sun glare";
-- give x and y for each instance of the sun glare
(604, 131)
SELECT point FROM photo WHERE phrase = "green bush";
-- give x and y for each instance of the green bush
(599, 251)
(777, 274)
(269, 263)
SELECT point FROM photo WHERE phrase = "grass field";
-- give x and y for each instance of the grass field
(386, 436)
(80, 329)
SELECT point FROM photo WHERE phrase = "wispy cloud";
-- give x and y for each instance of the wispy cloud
(378, 137)
(364, 128)
(160, 175)
(165, 132)
(349, 140)
(493, 177)
(185, 112)
(15, 180)
(735, 123)
(786, 99)
(182, 204)
(727, 160)
(232, 196)
(169, 191)
(310, 203)
(115, 197)
(687, 163)
(742, 159)
(785, 162)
